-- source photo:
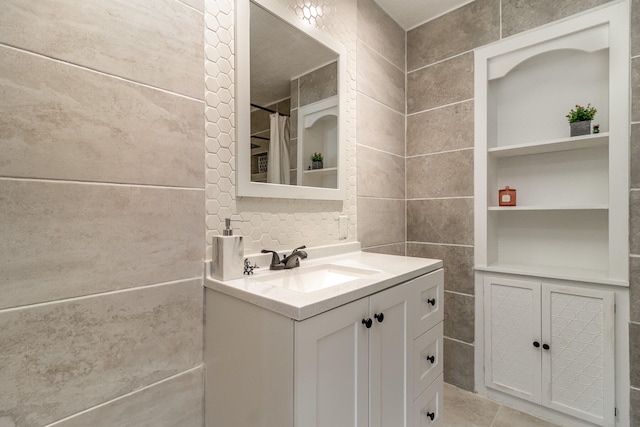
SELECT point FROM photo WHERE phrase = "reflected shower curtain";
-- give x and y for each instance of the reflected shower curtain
(278, 169)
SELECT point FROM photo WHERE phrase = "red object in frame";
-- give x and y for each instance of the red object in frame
(507, 196)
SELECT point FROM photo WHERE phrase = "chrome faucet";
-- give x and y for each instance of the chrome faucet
(288, 261)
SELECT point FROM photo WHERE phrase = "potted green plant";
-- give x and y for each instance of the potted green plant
(580, 119)
(316, 161)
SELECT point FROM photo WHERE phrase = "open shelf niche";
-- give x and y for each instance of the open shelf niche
(571, 218)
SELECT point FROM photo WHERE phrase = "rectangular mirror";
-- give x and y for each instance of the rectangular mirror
(289, 96)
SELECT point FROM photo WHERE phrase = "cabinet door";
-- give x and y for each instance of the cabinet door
(390, 344)
(331, 368)
(512, 328)
(578, 355)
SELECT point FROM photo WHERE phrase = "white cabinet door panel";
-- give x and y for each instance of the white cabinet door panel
(578, 364)
(331, 368)
(512, 326)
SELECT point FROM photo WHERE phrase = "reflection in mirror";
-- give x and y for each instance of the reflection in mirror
(293, 138)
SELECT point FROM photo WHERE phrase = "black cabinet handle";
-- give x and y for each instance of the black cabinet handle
(431, 415)
(367, 322)
(546, 346)
(431, 359)
(431, 301)
(379, 317)
(536, 344)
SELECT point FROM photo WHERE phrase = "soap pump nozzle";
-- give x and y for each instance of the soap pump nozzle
(227, 227)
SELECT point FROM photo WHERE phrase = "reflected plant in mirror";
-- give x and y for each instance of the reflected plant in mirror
(291, 108)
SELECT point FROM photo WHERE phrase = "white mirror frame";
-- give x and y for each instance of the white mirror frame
(245, 187)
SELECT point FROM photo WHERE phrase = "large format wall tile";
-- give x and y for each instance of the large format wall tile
(379, 126)
(177, 401)
(441, 129)
(635, 27)
(156, 42)
(476, 24)
(635, 407)
(440, 221)
(634, 353)
(318, 84)
(634, 222)
(61, 240)
(634, 288)
(458, 364)
(380, 221)
(393, 249)
(440, 84)
(64, 357)
(379, 79)
(635, 89)
(635, 156)
(457, 260)
(381, 32)
(380, 174)
(459, 317)
(440, 175)
(521, 15)
(64, 122)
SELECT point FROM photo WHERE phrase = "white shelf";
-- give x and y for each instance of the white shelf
(551, 146)
(547, 208)
(323, 171)
(554, 272)
(259, 177)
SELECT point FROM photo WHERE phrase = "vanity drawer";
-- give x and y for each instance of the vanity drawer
(429, 405)
(429, 300)
(427, 358)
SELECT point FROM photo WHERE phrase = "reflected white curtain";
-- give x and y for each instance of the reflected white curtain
(278, 169)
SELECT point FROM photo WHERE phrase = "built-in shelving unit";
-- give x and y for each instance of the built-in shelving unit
(566, 240)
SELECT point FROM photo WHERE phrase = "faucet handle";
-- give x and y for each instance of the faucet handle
(275, 259)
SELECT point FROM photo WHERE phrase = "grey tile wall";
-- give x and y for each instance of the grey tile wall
(440, 221)
(472, 25)
(458, 363)
(318, 84)
(635, 407)
(635, 89)
(442, 129)
(634, 288)
(635, 27)
(185, 408)
(447, 174)
(521, 15)
(68, 356)
(440, 84)
(135, 41)
(459, 317)
(635, 156)
(457, 260)
(101, 212)
(380, 151)
(66, 122)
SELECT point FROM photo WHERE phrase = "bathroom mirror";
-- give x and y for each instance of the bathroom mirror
(287, 66)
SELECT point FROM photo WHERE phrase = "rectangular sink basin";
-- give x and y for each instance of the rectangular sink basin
(311, 279)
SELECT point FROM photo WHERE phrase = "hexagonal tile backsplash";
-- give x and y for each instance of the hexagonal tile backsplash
(270, 223)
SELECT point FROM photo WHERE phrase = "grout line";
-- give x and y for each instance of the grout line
(381, 103)
(500, 17)
(635, 323)
(634, 256)
(97, 295)
(440, 152)
(381, 55)
(635, 57)
(379, 150)
(85, 68)
(459, 293)
(634, 388)
(441, 61)
(632, 122)
(440, 107)
(380, 198)
(495, 417)
(440, 244)
(458, 341)
(446, 12)
(126, 395)
(440, 198)
(110, 184)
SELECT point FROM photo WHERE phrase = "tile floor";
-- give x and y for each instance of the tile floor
(465, 409)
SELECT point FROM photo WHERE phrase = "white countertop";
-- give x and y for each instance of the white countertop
(390, 270)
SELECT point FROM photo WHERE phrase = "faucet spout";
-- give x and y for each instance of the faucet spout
(293, 259)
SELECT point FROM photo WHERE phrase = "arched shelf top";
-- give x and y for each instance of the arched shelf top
(311, 113)
(588, 41)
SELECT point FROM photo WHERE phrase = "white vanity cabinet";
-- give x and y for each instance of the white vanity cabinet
(552, 345)
(355, 365)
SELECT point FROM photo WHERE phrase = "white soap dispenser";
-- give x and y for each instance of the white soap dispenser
(228, 253)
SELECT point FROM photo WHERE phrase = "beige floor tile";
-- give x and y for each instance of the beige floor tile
(464, 409)
(508, 417)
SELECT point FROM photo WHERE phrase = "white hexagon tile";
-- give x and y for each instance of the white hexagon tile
(270, 223)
